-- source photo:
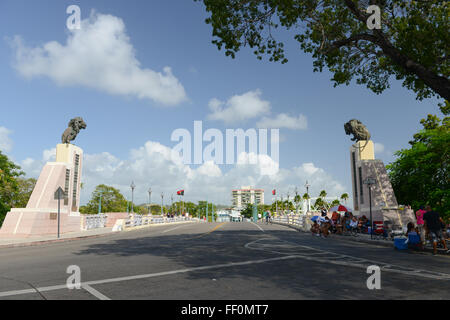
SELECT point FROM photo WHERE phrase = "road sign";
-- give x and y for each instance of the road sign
(59, 194)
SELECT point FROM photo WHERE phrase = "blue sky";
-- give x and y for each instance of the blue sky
(129, 129)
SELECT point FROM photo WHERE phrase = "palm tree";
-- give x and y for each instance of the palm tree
(322, 194)
(344, 197)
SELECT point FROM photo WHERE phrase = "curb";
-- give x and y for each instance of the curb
(43, 242)
(38, 243)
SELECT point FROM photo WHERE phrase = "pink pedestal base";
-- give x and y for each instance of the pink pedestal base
(23, 223)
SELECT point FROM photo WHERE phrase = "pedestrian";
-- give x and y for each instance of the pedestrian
(433, 224)
(419, 217)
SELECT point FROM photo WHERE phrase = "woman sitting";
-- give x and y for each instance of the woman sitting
(413, 235)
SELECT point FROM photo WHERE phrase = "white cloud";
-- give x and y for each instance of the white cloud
(5, 141)
(378, 148)
(100, 56)
(239, 108)
(283, 120)
(153, 165)
(32, 167)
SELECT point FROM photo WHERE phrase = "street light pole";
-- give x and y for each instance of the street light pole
(132, 195)
(100, 204)
(162, 204)
(149, 200)
(370, 182)
(307, 195)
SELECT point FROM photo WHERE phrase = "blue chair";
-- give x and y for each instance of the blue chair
(414, 241)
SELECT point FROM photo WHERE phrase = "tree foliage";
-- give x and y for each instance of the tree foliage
(420, 174)
(412, 44)
(112, 201)
(9, 184)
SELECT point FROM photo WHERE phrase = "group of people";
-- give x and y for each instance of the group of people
(339, 224)
(430, 226)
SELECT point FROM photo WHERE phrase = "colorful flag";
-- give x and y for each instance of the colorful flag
(180, 193)
(274, 192)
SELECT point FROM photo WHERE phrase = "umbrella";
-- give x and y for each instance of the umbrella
(340, 208)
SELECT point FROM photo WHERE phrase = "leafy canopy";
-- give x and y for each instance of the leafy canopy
(412, 44)
(420, 174)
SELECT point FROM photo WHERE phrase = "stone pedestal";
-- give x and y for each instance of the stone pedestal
(363, 165)
(40, 216)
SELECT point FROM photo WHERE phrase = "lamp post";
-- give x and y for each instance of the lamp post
(162, 204)
(149, 200)
(307, 185)
(132, 195)
(100, 204)
(370, 182)
(288, 203)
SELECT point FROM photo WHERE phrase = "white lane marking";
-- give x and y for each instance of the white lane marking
(352, 261)
(172, 229)
(257, 226)
(150, 275)
(94, 292)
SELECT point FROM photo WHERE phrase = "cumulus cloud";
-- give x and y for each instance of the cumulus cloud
(5, 141)
(32, 167)
(239, 108)
(99, 56)
(283, 120)
(154, 165)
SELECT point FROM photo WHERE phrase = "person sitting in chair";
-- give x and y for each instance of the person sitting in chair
(413, 234)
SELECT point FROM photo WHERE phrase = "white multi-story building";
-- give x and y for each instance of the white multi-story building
(245, 195)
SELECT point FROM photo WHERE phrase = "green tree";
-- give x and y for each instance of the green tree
(248, 211)
(344, 197)
(319, 203)
(322, 194)
(9, 184)
(25, 188)
(412, 44)
(420, 174)
(112, 201)
(333, 203)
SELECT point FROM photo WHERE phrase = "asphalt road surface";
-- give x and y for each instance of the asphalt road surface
(219, 261)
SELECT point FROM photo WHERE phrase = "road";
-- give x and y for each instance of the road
(219, 261)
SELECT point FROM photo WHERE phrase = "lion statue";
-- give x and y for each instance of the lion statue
(74, 127)
(358, 130)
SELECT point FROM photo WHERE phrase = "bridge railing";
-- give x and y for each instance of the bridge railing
(298, 221)
(138, 220)
(94, 221)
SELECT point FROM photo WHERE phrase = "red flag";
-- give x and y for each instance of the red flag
(274, 192)
(180, 193)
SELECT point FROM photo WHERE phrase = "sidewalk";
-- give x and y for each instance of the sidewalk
(71, 236)
(365, 238)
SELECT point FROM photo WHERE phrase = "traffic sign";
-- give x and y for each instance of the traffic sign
(59, 194)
